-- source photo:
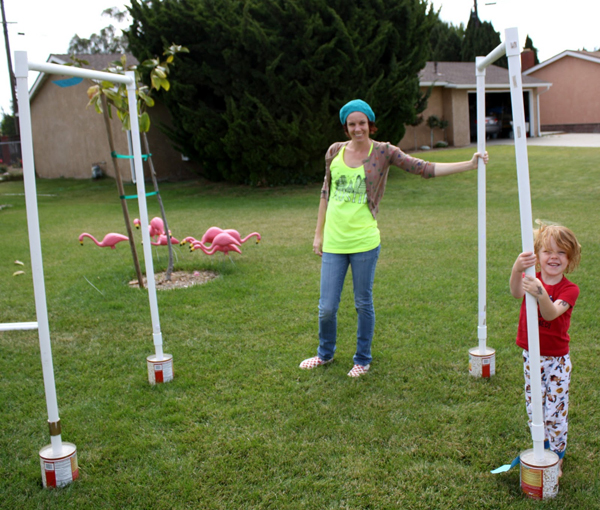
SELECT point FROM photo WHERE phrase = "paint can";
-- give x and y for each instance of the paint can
(59, 470)
(160, 371)
(482, 365)
(539, 480)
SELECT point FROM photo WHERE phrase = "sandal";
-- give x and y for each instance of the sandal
(310, 363)
(358, 370)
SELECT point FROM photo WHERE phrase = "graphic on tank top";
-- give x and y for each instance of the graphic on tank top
(352, 188)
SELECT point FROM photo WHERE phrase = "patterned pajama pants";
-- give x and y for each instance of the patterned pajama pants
(556, 379)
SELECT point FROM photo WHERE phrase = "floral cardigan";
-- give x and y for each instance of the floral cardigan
(377, 166)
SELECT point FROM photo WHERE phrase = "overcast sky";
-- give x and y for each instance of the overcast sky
(45, 27)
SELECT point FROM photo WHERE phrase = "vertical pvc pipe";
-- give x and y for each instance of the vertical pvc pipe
(35, 248)
(520, 137)
(481, 207)
(141, 192)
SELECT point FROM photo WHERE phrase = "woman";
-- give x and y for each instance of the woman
(347, 235)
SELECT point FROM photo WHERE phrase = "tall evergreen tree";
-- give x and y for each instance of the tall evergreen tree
(446, 42)
(480, 39)
(529, 44)
(257, 98)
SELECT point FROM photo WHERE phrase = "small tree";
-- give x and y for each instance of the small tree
(417, 122)
(106, 95)
(433, 121)
(7, 125)
(443, 124)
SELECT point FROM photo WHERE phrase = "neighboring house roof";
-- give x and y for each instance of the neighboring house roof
(461, 75)
(590, 56)
(97, 61)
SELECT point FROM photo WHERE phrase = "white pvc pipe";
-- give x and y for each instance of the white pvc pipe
(79, 71)
(18, 326)
(141, 192)
(35, 245)
(520, 136)
(481, 206)
(491, 57)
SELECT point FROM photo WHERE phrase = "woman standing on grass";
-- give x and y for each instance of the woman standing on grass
(347, 234)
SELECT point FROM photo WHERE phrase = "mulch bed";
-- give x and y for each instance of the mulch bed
(179, 279)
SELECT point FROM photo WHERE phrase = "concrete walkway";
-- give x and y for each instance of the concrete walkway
(556, 140)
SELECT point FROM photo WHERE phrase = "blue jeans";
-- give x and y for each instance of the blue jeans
(333, 273)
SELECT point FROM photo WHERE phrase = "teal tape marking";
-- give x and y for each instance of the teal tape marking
(127, 197)
(68, 82)
(123, 156)
(506, 467)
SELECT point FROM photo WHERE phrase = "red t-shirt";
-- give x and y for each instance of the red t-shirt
(554, 336)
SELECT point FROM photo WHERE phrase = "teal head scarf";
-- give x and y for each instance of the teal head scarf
(356, 105)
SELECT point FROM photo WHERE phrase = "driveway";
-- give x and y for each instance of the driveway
(556, 140)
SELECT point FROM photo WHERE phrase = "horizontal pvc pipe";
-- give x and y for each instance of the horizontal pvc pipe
(498, 52)
(18, 326)
(80, 72)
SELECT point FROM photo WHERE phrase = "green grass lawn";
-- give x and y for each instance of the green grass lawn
(240, 426)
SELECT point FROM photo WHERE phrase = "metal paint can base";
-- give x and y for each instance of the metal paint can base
(160, 371)
(482, 364)
(539, 480)
(59, 470)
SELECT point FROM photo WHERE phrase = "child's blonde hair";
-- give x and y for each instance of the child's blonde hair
(563, 237)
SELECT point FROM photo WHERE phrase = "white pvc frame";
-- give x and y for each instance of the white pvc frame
(22, 68)
(510, 47)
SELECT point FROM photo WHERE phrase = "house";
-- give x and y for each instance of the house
(70, 138)
(572, 104)
(453, 98)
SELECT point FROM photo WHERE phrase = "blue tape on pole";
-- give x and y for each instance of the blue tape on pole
(68, 82)
(506, 467)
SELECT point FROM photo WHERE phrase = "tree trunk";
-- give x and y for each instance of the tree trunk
(162, 209)
(111, 144)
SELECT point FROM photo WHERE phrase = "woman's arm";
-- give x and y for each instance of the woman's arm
(318, 241)
(443, 169)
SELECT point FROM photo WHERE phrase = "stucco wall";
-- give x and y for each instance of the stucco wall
(422, 132)
(69, 138)
(573, 97)
(459, 134)
(448, 104)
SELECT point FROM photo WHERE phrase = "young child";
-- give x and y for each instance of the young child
(556, 252)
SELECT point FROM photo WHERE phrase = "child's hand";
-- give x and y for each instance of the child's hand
(533, 286)
(525, 260)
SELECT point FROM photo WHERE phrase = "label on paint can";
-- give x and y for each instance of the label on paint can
(539, 482)
(482, 365)
(160, 371)
(532, 482)
(58, 472)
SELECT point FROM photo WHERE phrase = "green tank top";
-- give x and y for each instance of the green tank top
(349, 224)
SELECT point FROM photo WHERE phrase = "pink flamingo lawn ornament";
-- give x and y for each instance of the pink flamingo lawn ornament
(110, 239)
(236, 235)
(162, 241)
(156, 227)
(225, 248)
(221, 242)
(188, 239)
(210, 234)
